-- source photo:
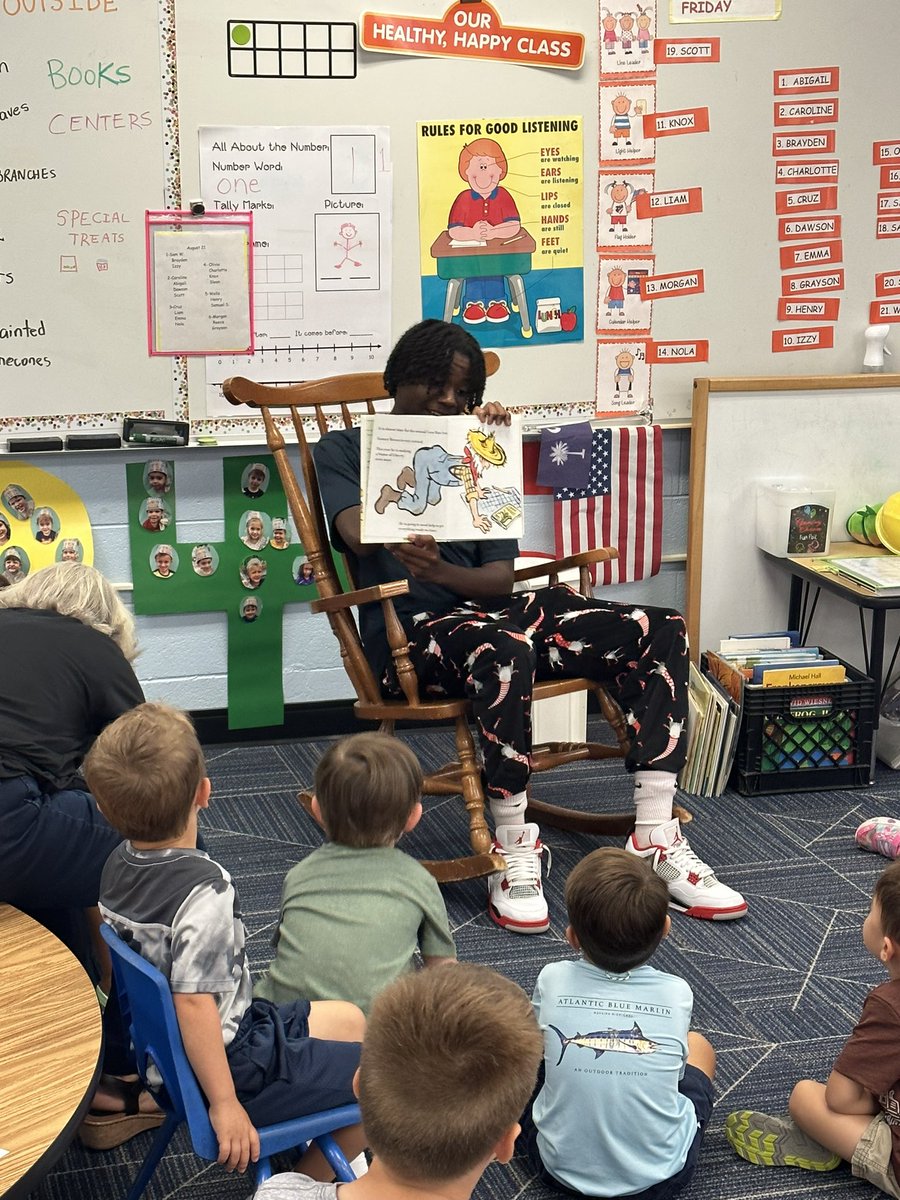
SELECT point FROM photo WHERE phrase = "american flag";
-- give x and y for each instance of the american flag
(621, 507)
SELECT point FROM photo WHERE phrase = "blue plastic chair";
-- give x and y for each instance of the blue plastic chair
(149, 1012)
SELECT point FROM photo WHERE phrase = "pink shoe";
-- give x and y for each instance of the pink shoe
(881, 835)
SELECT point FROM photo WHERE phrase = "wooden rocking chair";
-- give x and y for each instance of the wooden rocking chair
(462, 777)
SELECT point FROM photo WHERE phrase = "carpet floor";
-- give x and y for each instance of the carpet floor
(776, 993)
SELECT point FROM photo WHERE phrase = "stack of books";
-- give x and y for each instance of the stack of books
(878, 574)
(715, 700)
(778, 660)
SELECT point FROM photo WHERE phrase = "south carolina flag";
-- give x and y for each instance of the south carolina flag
(622, 507)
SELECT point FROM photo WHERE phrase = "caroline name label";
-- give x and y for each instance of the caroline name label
(820, 337)
(682, 283)
(669, 204)
(684, 120)
(806, 112)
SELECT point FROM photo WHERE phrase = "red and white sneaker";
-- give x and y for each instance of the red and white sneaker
(474, 313)
(497, 311)
(693, 887)
(515, 896)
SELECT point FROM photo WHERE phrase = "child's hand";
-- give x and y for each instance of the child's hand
(492, 413)
(238, 1139)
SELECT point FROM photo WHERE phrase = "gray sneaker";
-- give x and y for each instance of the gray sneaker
(776, 1142)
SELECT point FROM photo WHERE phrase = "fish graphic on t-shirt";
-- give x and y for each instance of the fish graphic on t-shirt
(622, 1041)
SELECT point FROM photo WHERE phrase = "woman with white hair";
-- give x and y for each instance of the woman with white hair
(68, 643)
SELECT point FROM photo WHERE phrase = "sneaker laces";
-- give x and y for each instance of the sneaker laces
(682, 856)
(523, 869)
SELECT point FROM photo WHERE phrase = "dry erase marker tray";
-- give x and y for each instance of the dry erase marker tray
(809, 738)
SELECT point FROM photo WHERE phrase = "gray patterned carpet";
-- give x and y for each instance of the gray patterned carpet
(776, 993)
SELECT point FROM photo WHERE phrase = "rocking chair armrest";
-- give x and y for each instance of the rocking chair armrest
(381, 591)
(557, 565)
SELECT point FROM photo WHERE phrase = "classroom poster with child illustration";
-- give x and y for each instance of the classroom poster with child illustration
(500, 220)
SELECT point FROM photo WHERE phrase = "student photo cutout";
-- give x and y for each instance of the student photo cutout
(281, 538)
(45, 525)
(4, 531)
(251, 607)
(154, 515)
(254, 532)
(163, 561)
(15, 564)
(158, 476)
(253, 572)
(18, 501)
(70, 550)
(204, 560)
(255, 481)
(304, 574)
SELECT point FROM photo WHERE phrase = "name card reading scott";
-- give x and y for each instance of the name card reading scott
(821, 281)
(681, 50)
(806, 200)
(824, 309)
(790, 228)
(665, 352)
(681, 283)
(885, 310)
(820, 337)
(807, 82)
(822, 170)
(806, 112)
(669, 204)
(809, 141)
(811, 254)
(887, 283)
(883, 152)
(682, 120)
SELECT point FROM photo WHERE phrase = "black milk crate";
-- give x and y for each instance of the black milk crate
(809, 738)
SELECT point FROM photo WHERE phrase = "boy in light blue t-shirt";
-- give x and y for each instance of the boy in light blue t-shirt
(627, 1088)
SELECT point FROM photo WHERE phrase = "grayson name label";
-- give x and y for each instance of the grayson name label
(821, 281)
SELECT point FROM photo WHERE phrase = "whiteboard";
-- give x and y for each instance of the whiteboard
(146, 156)
(839, 432)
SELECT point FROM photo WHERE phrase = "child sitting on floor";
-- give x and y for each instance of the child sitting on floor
(354, 911)
(627, 1089)
(448, 1064)
(256, 1063)
(880, 835)
(854, 1115)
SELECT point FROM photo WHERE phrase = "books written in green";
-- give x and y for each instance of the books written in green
(880, 574)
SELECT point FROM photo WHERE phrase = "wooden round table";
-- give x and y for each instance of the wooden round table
(50, 1043)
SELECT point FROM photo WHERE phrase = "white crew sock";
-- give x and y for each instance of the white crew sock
(509, 810)
(654, 794)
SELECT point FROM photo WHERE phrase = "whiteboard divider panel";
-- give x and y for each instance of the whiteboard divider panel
(773, 428)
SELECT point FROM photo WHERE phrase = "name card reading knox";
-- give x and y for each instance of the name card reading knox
(682, 283)
(683, 120)
(669, 204)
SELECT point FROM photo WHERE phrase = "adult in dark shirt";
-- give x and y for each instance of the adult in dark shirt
(471, 636)
(67, 644)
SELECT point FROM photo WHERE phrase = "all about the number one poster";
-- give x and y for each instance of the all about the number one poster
(500, 220)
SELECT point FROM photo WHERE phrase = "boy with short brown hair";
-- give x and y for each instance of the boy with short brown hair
(448, 1065)
(854, 1115)
(354, 912)
(256, 1063)
(627, 1088)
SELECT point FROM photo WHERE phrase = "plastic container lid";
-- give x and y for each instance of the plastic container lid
(887, 523)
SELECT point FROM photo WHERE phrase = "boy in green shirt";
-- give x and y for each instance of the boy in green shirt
(354, 911)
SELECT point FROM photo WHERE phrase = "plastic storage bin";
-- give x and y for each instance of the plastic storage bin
(808, 738)
(793, 519)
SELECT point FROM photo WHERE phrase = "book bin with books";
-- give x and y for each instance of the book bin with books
(809, 738)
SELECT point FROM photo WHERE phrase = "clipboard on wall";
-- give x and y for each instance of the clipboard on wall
(199, 283)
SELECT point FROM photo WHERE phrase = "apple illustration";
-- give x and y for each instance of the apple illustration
(568, 319)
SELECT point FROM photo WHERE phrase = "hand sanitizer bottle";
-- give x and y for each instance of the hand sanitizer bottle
(876, 335)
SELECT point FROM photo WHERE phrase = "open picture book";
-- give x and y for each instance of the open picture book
(451, 477)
